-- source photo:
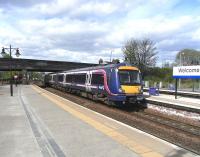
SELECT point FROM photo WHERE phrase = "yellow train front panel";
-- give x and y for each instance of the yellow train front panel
(131, 89)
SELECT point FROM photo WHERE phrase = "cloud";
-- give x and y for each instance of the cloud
(73, 30)
(72, 35)
(95, 8)
(21, 3)
(55, 7)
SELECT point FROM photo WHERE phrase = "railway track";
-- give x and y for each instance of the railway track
(174, 106)
(182, 134)
(188, 128)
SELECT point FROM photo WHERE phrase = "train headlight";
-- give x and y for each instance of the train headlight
(121, 90)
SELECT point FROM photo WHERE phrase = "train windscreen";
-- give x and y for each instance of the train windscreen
(129, 77)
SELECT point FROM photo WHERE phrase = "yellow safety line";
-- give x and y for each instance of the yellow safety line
(139, 149)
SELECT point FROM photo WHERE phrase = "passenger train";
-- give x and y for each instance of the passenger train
(115, 84)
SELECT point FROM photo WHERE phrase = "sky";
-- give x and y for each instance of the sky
(87, 30)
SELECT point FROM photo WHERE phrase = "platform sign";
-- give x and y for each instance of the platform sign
(192, 72)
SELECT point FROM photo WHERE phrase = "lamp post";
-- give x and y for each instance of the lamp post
(111, 55)
(10, 55)
(181, 63)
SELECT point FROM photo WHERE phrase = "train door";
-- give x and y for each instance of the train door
(88, 81)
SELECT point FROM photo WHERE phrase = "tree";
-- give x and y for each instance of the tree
(100, 61)
(188, 57)
(141, 53)
(6, 55)
(115, 61)
(5, 74)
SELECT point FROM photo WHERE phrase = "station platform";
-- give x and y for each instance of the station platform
(193, 103)
(197, 92)
(37, 123)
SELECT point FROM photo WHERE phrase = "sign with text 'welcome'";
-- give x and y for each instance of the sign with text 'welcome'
(186, 72)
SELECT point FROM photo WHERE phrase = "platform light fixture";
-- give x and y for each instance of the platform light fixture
(3, 51)
(17, 52)
(10, 56)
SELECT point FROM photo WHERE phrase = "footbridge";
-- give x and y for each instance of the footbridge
(39, 65)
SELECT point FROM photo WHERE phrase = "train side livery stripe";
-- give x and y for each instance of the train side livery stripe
(105, 81)
(80, 85)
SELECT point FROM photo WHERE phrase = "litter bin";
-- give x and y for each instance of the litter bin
(153, 91)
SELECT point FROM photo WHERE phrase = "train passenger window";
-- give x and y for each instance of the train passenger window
(60, 78)
(81, 78)
(97, 79)
(76, 78)
(51, 77)
(54, 77)
(68, 78)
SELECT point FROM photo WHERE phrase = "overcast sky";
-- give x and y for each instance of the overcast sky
(86, 30)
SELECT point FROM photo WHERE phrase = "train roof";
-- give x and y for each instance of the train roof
(100, 67)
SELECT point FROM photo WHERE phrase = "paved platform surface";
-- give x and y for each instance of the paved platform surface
(181, 101)
(196, 92)
(37, 123)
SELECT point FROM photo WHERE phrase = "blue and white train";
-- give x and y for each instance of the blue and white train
(115, 84)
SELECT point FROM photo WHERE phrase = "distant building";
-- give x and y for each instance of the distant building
(167, 64)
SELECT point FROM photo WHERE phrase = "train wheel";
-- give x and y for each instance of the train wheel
(90, 96)
(119, 104)
(110, 103)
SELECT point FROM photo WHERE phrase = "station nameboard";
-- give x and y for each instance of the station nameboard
(186, 72)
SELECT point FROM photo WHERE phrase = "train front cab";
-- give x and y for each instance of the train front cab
(128, 85)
